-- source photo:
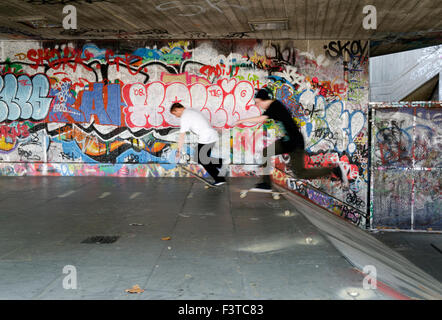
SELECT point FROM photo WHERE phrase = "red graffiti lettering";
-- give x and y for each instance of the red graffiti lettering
(55, 58)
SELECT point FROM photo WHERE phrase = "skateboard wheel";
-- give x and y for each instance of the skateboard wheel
(287, 213)
(243, 194)
(206, 187)
(276, 196)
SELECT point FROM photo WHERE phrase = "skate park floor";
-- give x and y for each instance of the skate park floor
(174, 239)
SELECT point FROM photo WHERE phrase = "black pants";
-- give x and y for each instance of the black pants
(296, 162)
(211, 165)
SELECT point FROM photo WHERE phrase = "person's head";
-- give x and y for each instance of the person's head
(177, 109)
(263, 99)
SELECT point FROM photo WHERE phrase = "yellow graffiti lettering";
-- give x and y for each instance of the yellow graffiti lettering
(21, 56)
(175, 44)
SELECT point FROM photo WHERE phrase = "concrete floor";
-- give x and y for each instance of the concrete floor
(423, 249)
(220, 247)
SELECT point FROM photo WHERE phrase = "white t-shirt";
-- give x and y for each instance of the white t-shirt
(192, 120)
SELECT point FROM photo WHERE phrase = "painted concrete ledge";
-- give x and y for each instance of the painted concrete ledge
(320, 197)
(138, 170)
(396, 275)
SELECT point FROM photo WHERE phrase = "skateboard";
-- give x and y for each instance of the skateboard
(208, 184)
(275, 194)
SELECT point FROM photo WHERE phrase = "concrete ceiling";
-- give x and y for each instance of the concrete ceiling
(401, 24)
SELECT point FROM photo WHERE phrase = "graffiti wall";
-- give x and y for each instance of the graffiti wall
(102, 108)
(406, 166)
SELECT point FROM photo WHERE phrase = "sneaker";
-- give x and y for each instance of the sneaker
(263, 186)
(219, 182)
(339, 172)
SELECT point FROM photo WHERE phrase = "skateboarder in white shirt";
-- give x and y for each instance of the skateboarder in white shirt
(192, 120)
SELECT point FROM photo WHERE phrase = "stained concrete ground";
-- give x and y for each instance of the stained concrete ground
(221, 247)
(422, 249)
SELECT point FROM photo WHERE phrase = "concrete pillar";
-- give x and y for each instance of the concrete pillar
(439, 98)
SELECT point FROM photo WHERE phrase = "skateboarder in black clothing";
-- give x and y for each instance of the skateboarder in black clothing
(292, 143)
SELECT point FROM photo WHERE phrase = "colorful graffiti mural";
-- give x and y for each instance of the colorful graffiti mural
(98, 109)
(351, 209)
(406, 166)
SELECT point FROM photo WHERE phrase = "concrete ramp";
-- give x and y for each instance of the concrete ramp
(394, 76)
(362, 249)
